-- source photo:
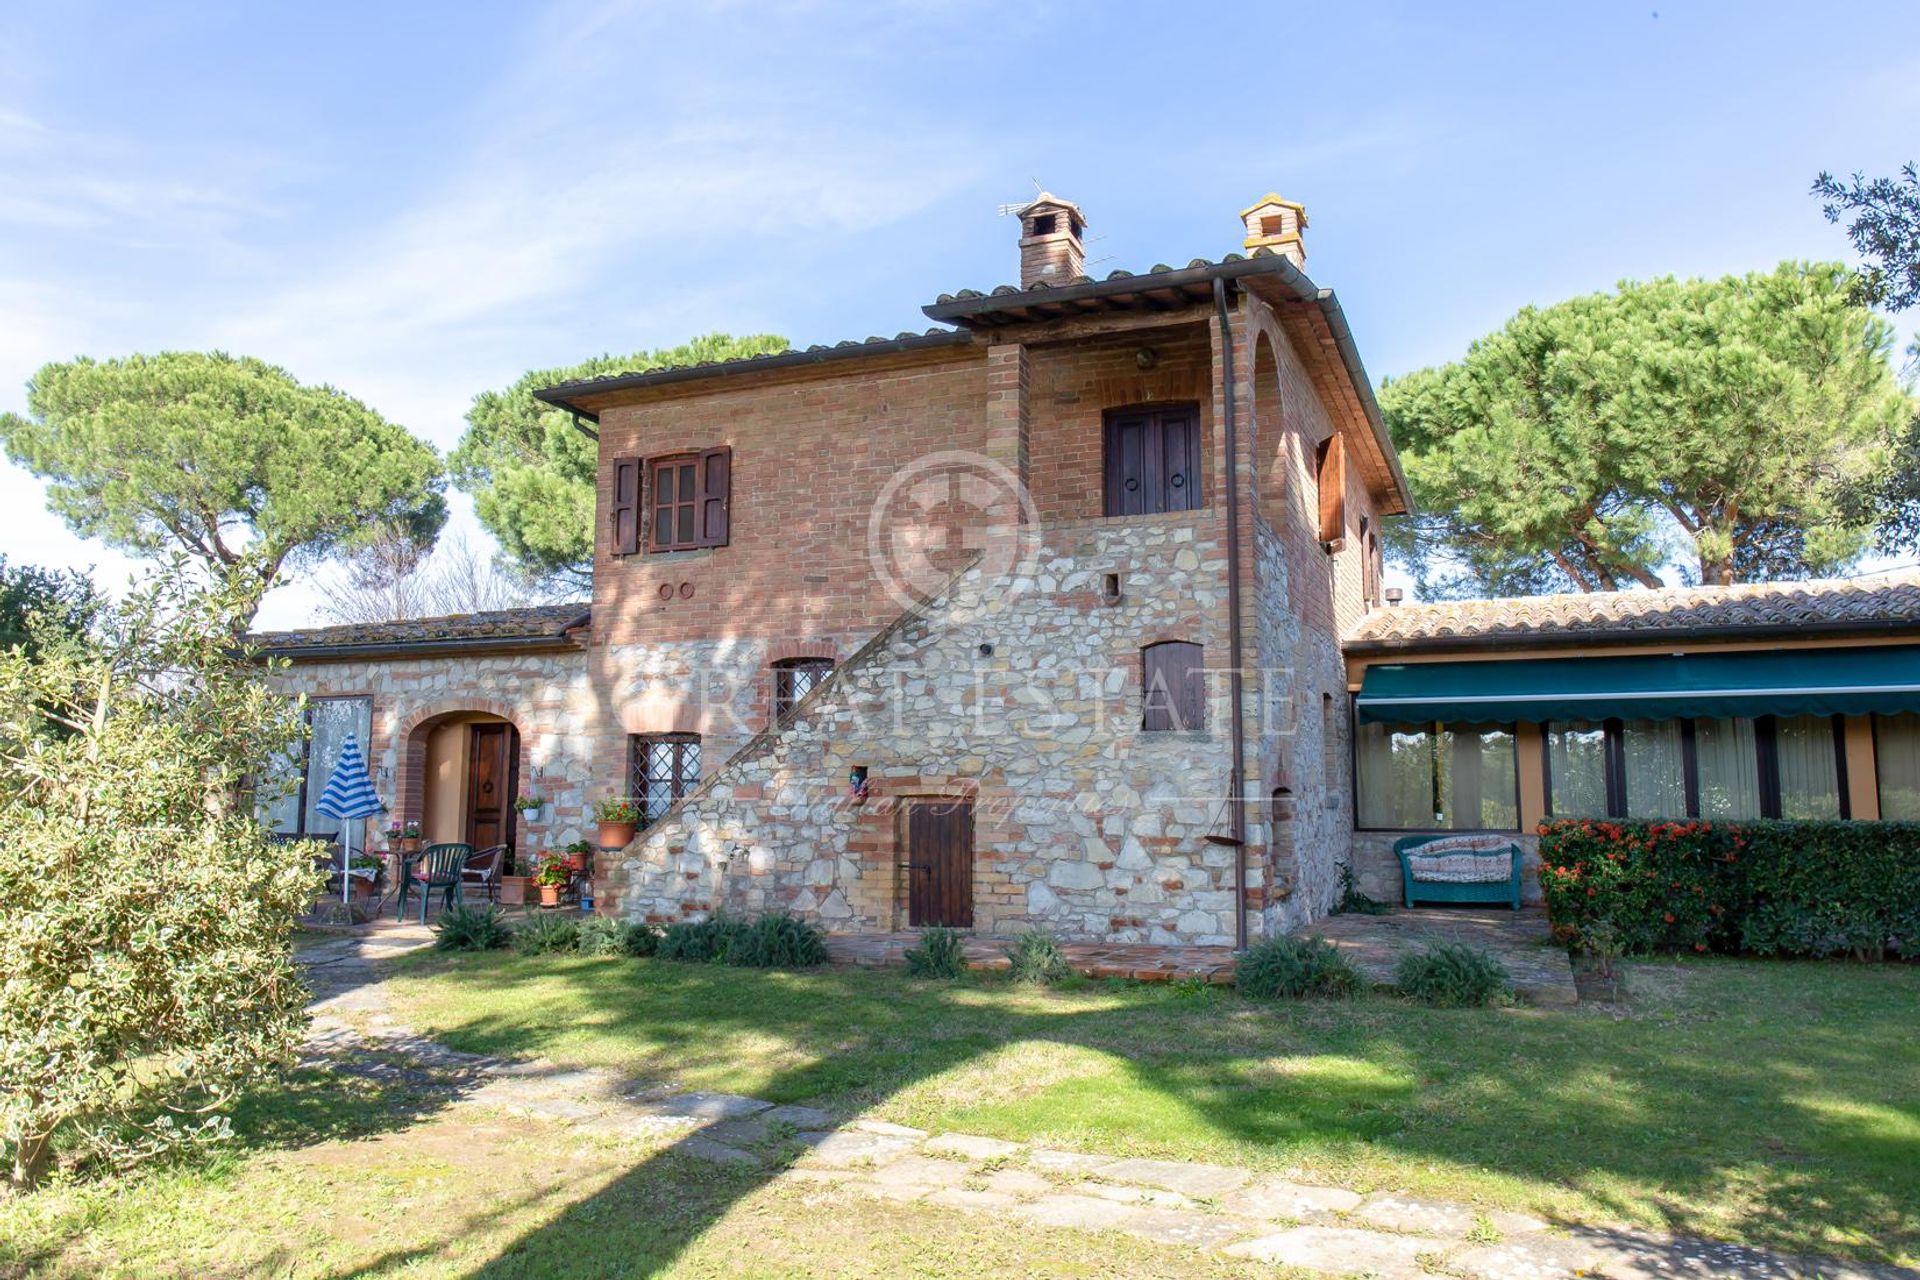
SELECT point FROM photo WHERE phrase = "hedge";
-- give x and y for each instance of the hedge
(1762, 888)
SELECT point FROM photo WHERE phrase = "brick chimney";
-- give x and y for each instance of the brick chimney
(1276, 224)
(1051, 251)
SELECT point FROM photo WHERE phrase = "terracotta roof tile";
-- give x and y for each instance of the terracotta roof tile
(535, 623)
(1828, 604)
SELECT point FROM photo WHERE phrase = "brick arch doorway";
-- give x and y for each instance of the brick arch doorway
(467, 768)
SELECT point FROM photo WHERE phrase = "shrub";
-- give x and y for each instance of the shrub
(605, 936)
(146, 921)
(1451, 975)
(544, 933)
(1770, 888)
(939, 954)
(777, 941)
(471, 929)
(1293, 967)
(1037, 958)
(700, 941)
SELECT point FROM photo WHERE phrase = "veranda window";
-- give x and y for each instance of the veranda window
(300, 776)
(1734, 768)
(1437, 776)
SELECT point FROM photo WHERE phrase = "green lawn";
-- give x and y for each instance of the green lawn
(1774, 1104)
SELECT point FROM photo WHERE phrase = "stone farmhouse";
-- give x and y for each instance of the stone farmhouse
(1068, 613)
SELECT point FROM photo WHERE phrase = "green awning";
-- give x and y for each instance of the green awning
(1656, 687)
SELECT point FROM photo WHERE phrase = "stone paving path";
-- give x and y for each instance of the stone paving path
(1520, 940)
(1239, 1212)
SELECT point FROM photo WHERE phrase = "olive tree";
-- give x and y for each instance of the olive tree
(145, 918)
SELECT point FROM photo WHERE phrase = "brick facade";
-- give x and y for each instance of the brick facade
(1084, 823)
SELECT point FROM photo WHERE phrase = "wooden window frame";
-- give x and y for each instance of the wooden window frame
(708, 504)
(1766, 766)
(1188, 486)
(1190, 693)
(679, 782)
(785, 676)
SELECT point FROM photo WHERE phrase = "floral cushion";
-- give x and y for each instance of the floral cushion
(1461, 868)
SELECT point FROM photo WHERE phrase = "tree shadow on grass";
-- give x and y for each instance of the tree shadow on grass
(1512, 1092)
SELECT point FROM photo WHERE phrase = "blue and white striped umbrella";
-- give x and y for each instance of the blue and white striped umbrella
(349, 794)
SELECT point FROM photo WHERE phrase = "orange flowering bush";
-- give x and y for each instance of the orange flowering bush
(1770, 888)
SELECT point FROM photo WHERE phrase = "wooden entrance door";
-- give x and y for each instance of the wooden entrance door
(940, 863)
(493, 757)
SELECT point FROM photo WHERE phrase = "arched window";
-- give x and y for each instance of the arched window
(1173, 682)
(794, 679)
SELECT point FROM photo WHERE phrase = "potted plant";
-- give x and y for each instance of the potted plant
(366, 870)
(618, 821)
(551, 877)
(513, 888)
(404, 836)
(530, 807)
(577, 854)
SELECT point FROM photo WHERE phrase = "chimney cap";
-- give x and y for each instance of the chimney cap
(1269, 200)
(1394, 595)
(1048, 198)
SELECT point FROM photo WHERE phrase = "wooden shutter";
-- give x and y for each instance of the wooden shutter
(625, 512)
(1331, 467)
(1173, 686)
(1153, 461)
(1179, 461)
(716, 480)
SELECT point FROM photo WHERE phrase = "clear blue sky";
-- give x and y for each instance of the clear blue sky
(417, 202)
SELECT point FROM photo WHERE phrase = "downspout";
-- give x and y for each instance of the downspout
(1236, 786)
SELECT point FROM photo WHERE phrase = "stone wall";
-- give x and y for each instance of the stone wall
(546, 696)
(1083, 823)
(1376, 868)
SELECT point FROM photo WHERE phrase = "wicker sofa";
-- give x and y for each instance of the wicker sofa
(1460, 868)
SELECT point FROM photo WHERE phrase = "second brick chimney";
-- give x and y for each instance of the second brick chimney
(1276, 224)
(1051, 249)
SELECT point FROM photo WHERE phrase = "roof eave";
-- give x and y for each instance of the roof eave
(1502, 642)
(556, 643)
(570, 395)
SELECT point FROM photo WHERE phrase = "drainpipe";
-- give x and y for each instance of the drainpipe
(1237, 783)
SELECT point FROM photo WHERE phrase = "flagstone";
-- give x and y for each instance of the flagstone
(1341, 1251)
(845, 1149)
(1439, 1218)
(1278, 1198)
(971, 1146)
(1175, 1175)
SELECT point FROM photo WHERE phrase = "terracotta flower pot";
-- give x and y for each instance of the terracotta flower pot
(409, 844)
(617, 835)
(576, 862)
(513, 890)
(550, 894)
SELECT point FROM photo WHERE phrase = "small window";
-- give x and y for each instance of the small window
(1330, 480)
(794, 679)
(688, 505)
(662, 768)
(1045, 224)
(1153, 460)
(1174, 686)
(1273, 224)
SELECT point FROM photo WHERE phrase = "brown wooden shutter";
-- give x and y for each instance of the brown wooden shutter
(1173, 686)
(716, 480)
(626, 506)
(1332, 484)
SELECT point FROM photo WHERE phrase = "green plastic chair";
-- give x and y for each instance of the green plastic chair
(437, 867)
